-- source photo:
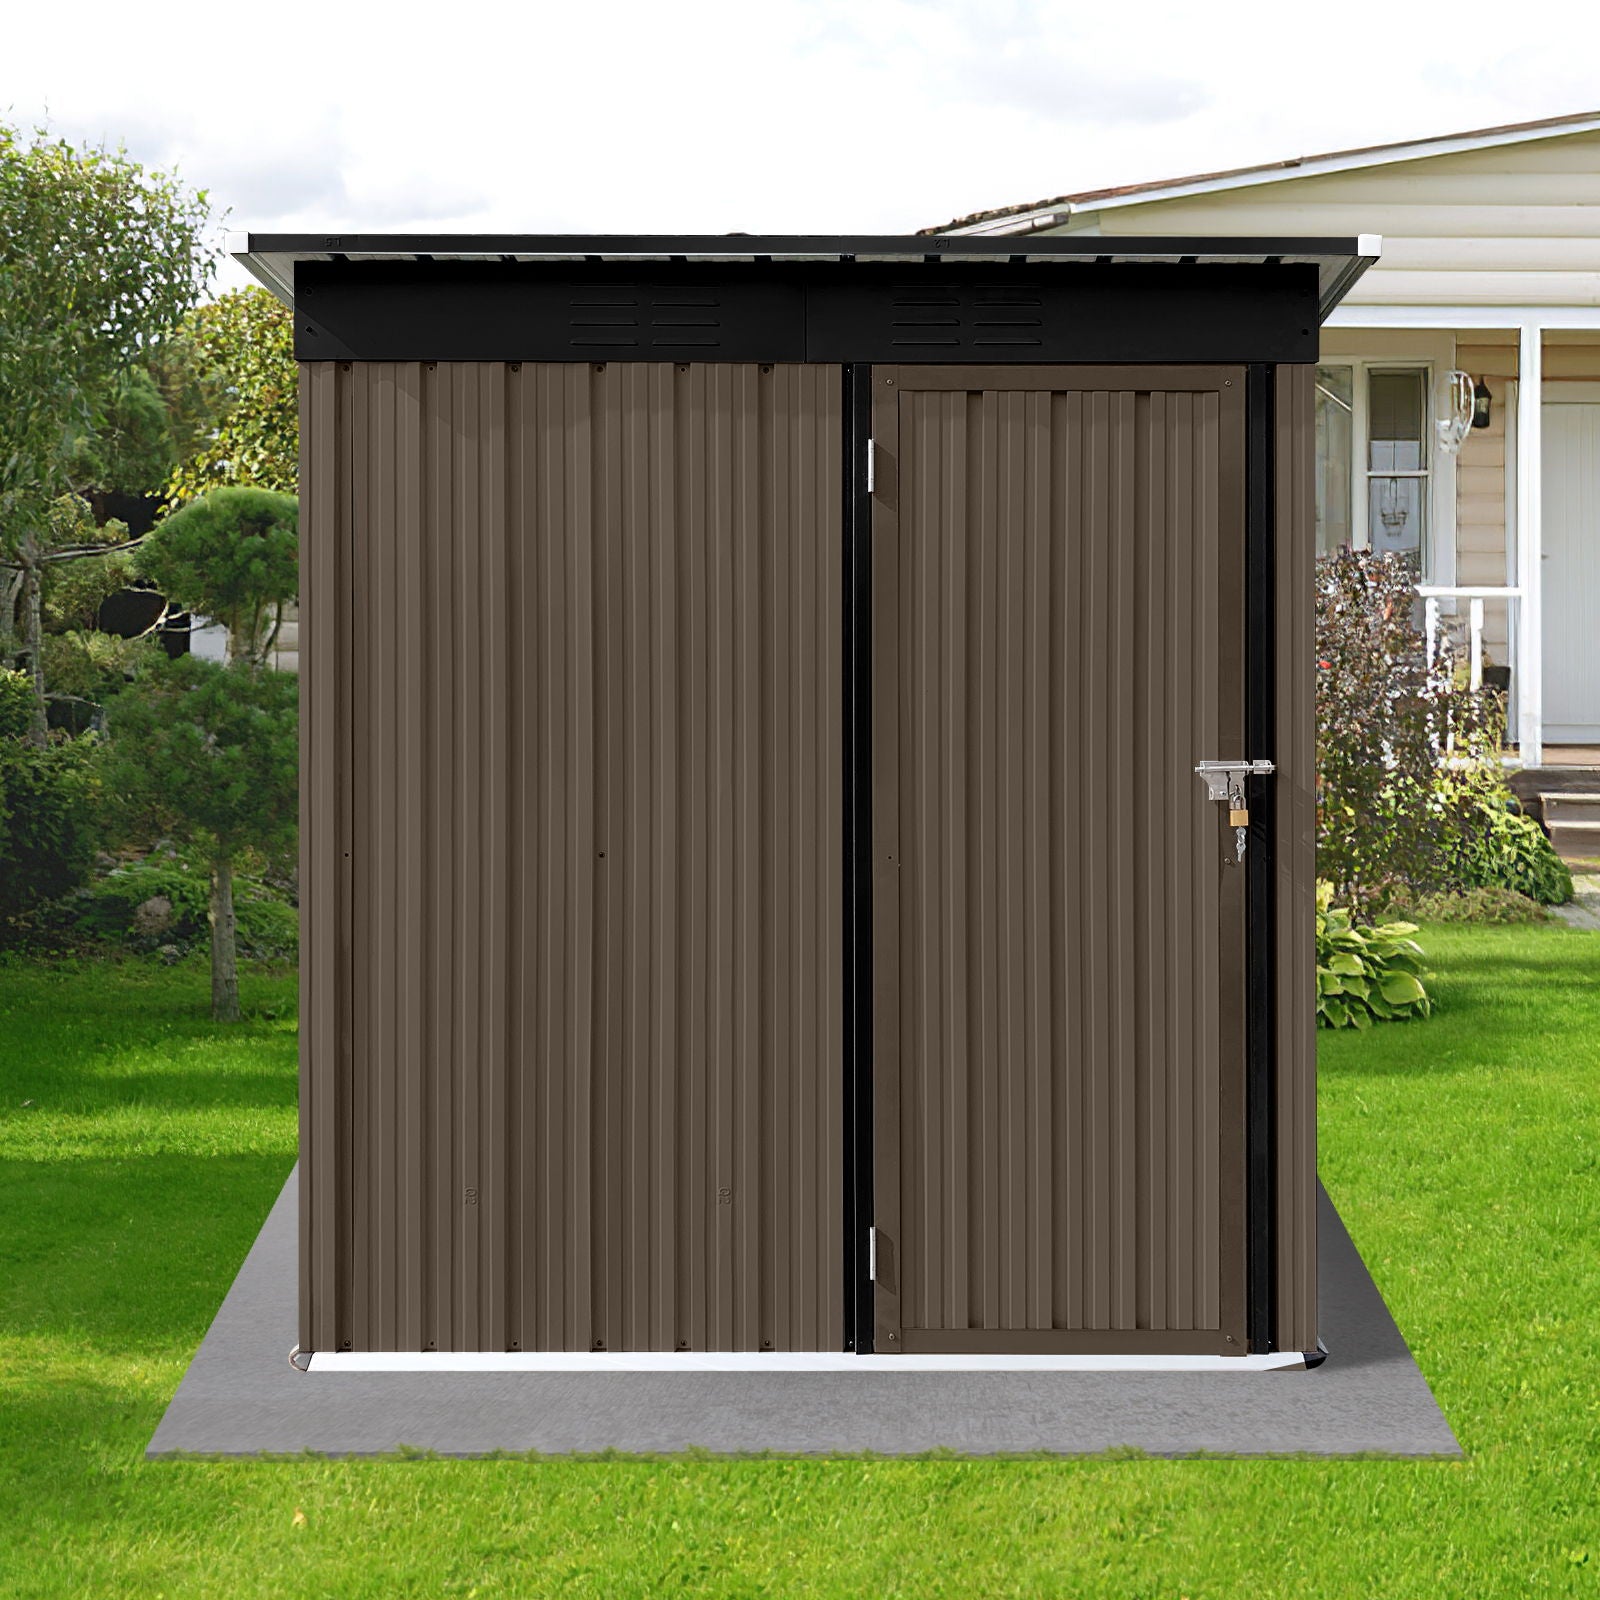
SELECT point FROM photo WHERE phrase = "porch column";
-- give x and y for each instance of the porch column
(1530, 544)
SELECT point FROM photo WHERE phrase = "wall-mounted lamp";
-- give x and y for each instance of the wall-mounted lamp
(1480, 404)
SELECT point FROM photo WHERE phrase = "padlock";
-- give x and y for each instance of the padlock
(1239, 817)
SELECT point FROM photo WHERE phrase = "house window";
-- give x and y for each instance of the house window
(1373, 467)
(1335, 419)
(1397, 461)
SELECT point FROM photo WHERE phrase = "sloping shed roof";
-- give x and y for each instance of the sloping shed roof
(272, 258)
(1038, 214)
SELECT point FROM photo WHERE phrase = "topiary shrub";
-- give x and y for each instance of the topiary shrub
(1366, 974)
(231, 555)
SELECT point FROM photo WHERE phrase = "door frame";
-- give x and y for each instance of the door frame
(1245, 1241)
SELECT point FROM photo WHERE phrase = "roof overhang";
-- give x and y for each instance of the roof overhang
(273, 258)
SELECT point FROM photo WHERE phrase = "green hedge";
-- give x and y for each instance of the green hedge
(48, 829)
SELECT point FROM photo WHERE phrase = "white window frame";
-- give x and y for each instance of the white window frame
(1435, 354)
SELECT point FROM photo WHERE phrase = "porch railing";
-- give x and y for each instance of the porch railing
(1433, 598)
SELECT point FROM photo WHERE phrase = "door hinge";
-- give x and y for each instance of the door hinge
(872, 1255)
(872, 459)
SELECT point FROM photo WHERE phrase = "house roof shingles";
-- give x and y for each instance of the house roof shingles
(1086, 197)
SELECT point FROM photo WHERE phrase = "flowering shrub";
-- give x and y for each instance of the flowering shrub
(1386, 717)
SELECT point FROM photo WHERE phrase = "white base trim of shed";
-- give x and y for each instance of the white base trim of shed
(596, 1361)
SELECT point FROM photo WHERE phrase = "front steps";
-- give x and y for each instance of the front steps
(1567, 801)
(1573, 821)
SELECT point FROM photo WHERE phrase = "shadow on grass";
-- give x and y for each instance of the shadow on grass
(78, 1086)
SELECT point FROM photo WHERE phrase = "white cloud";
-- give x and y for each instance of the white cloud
(774, 115)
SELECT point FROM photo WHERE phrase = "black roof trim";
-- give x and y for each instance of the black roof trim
(271, 257)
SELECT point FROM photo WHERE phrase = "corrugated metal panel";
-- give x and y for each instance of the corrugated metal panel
(571, 1062)
(1059, 1051)
(1296, 848)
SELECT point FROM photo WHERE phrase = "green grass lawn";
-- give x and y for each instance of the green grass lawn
(1461, 1151)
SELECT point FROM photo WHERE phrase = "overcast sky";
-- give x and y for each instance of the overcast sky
(761, 115)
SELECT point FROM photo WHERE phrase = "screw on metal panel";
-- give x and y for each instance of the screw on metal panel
(432, 365)
(1227, 383)
(766, 366)
(599, 366)
(516, 366)
(888, 380)
(344, 366)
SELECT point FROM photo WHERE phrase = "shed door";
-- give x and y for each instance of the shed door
(1058, 925)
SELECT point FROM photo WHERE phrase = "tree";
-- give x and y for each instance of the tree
(99, 259)
(231, 555)
(207, 754)
(231, 379)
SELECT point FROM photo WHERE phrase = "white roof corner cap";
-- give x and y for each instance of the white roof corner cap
(1035, 221)
(236, 242)
(1369, 244)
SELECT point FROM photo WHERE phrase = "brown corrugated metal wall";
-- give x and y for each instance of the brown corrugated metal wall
(572, 857)
(1295, 546)
(1058, 1050)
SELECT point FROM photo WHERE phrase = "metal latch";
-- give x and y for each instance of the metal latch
(1224, 780)
(872, 1255)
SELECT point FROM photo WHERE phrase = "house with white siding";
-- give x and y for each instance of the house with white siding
(1488, 287)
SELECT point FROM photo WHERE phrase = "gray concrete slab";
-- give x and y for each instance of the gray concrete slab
(240, 1396)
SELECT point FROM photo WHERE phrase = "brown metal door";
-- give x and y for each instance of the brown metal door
(1058, 928)
(571, 1059)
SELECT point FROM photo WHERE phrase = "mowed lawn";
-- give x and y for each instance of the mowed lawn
(1464, 1153)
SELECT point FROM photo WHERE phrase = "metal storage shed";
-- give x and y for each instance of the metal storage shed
(759, 891)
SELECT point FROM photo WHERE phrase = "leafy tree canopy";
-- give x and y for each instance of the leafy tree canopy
(129, 444)
(231, 555)
(99, 258)
(231, 370)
